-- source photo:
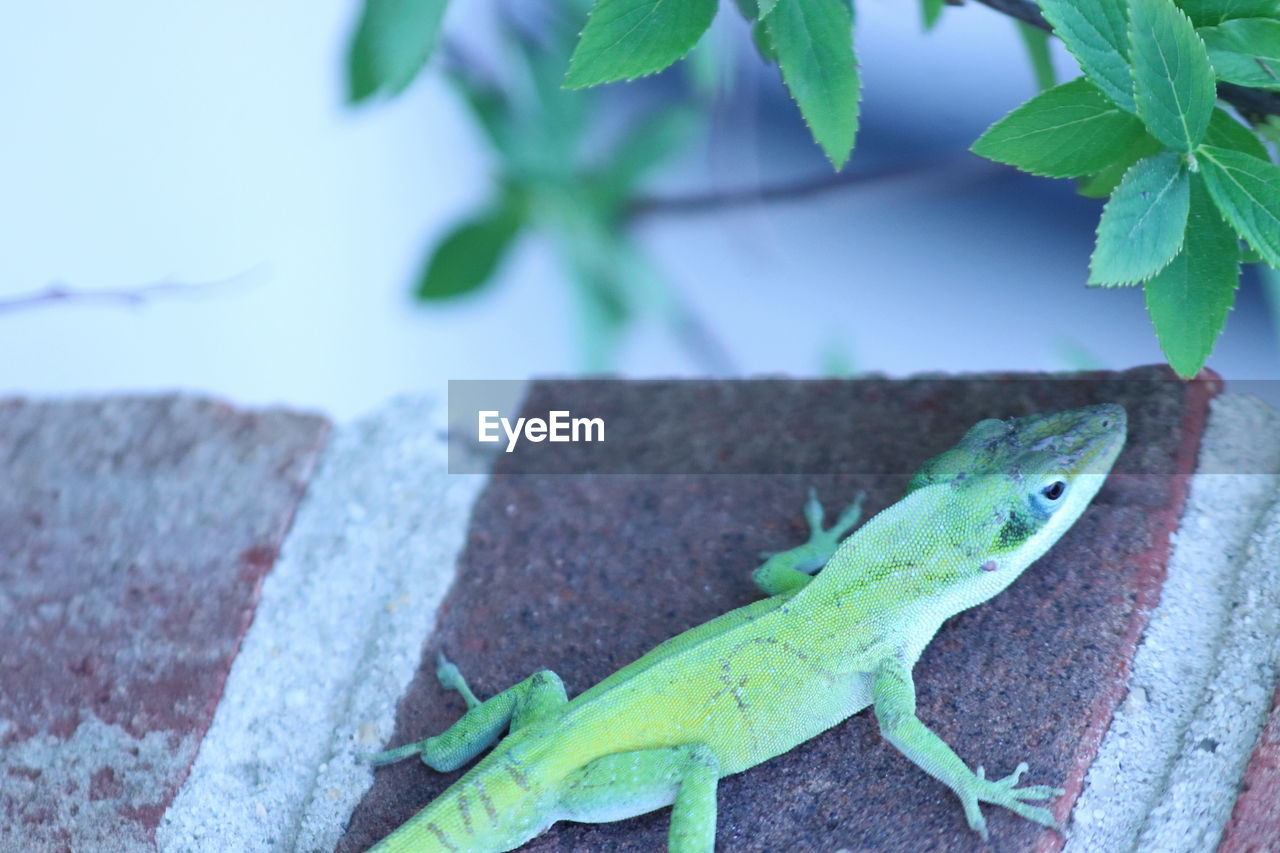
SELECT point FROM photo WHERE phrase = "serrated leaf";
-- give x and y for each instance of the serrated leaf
(1247, 191)
(749, 9)
(766, 7)
(467, 257)
(1097, 34)
(1245, 51)
(1142, 225)
(1069, 131)
(1208, 13)
(1226, 132)
(1102, 183)
(1172, 77)
(764, 44)
(392, 42)
(813, 40)
(1189, 299)
(625, 39)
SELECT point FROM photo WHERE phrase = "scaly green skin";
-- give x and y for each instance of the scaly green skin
(755, 682)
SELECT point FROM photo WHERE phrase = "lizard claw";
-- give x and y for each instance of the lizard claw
(1002, 792)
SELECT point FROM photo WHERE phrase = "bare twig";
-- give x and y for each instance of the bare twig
(60, 292)
(703, 202)
(1252, 103)
(1026, 11)
(718, 200)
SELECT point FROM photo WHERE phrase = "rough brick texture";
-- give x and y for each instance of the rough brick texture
(134, 535)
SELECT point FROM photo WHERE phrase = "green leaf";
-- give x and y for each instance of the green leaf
(1268, 127)
(1070, 130)
(625, 39)
(1189, 299)
(1226, 132)
(488, 107)
(813, 40)
(392, 42)
(1245, 51)
(1143, 223)
(1247, 191)
(766, 7)
(1208, 13)
(930, 11)
(1097, 34)
(1103, 182)
(764, 44)
(749, 9)
(540, 102)
(468, 255)
(1172, 78)
(1036, 42)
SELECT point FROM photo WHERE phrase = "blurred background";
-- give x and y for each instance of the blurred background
(209, 149)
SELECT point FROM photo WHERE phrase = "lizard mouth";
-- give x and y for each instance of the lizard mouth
(1102, 431)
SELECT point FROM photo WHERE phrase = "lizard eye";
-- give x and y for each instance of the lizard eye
(1054, 490)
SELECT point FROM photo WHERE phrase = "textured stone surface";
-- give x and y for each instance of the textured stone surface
(584, 574)
(336, 637)
(1199, 688)
(134, 535)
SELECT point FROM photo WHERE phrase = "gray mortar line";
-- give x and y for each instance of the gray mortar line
(1155, 784)
(1216, 746)
(336, 639)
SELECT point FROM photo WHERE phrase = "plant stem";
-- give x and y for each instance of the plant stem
(1250, 102)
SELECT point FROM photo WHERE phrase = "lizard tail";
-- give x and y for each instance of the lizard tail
(492, 808)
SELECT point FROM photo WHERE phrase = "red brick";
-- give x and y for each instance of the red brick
(1254, 826)
(134, 536)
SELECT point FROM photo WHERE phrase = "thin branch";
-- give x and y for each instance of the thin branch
(60, 292)
(1252, 103)
(695, 203)
(1026, 11)
(703, 202)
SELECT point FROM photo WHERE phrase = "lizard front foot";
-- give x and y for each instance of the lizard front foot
(1002, 792)
(822, 541)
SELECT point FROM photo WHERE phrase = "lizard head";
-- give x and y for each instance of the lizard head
(976, 516)
(1030, 478)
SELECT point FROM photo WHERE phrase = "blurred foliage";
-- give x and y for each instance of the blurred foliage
(391, 43)
(1192, 190)
(550, 180)
(1036, 41)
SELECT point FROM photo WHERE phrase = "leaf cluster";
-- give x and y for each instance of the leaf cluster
(811, 41)
(1187, 181)
(1192, 190)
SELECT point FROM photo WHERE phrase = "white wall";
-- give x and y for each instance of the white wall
(142, 140)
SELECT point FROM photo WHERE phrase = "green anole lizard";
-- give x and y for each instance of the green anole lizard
(757, 681)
